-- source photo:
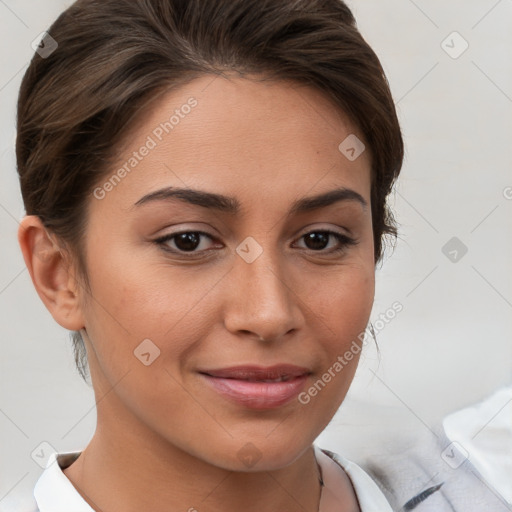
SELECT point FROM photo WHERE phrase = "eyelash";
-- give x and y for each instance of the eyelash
(343, 240)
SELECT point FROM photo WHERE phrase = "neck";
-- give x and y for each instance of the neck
(131, 469)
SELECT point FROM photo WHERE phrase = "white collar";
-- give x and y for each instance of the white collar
(54, 492)
(369, 496)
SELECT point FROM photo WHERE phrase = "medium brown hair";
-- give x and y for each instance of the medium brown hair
(113, 56)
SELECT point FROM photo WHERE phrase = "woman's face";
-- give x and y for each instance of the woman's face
(210, 240)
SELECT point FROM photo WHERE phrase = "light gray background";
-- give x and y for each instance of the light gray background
(451, 344)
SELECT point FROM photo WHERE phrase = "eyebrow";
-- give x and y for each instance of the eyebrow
(231, 205)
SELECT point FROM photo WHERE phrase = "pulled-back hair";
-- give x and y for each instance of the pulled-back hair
(113, 56)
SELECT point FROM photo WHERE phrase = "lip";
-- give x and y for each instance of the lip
(252, 386)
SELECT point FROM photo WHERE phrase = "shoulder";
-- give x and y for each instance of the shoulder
(417, 467)
(432, 474)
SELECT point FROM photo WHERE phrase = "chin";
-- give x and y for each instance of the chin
(259, 454)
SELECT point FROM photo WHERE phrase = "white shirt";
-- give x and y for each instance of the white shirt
(483, 433)
(54, 492)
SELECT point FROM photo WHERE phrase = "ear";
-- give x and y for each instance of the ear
(51, 272)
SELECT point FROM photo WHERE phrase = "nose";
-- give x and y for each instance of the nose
(263, 300)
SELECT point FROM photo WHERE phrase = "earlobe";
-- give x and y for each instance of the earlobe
(51, 272)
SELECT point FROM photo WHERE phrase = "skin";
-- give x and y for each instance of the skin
(165, 440)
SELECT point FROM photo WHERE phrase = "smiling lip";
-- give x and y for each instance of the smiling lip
(258, 387)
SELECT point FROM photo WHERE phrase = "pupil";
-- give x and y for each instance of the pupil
(187, 241)
(319, 240)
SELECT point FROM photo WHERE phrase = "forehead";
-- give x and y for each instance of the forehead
(240, 135)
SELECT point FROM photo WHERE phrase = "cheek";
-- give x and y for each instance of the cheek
(343, 300)
(133, 302)
(341, 309)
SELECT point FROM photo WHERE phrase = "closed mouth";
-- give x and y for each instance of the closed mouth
(276, 373)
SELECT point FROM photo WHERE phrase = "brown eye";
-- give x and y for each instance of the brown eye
(192, 242)
(319, 241)
(187, 241)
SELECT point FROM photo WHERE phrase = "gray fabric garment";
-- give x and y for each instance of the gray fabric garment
(432, 475)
